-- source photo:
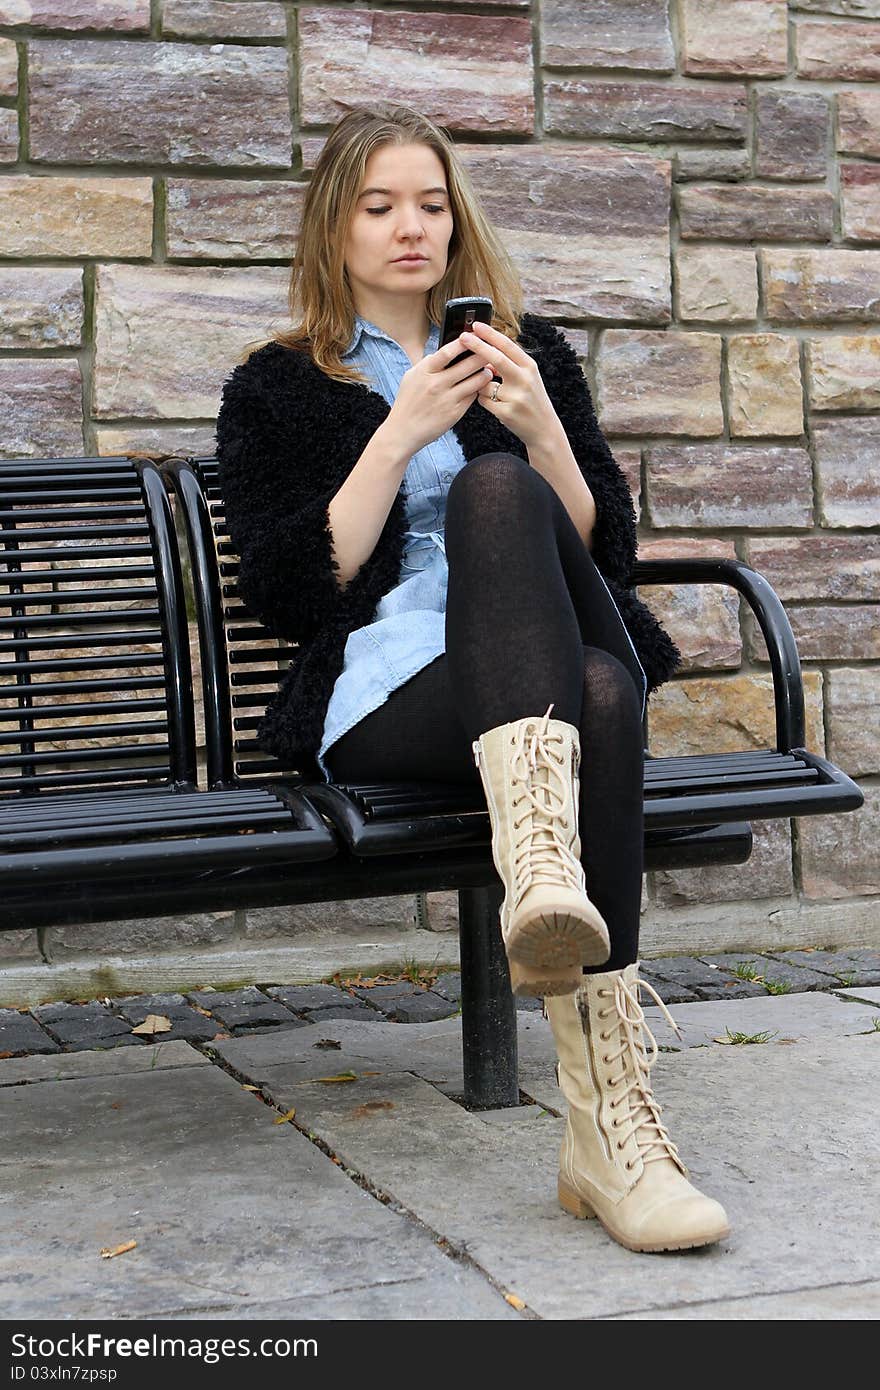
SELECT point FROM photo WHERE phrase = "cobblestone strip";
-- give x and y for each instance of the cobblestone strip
(201, 1015)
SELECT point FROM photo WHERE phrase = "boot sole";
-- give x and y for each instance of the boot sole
(558, 939)
(535, 982)
(578, 1206)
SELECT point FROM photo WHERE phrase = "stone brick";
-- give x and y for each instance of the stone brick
(858, 122)
(766, 396)
(8, 137)
(735, 37)
(791, 134)
(826, 565)
(844, 372)
(606, 34)
(669, 990)
(131, 16)
(726, 714)
(231, 218)
(186, 1023)
(8, 64)
(167, 337)
(838, 854)
(860, 201)
(848, 458)
(465, 71)
(174, 439)
(159, 103)
(448, 986)
(861, 9)
(753, 213)
(827, 633)
(41, 408)
(629, 461)
(710, 485)
(854, 719)
(850, 52)
(821, 286)
(839, 967)
(81, 1026)
(702, 618)
(660, 383)
(40, 307)
(72, 216)
(359, 1014)
(138, 934)
(580, 255)
(382, 996)
(222, 19)
(244, 1010)
(720, 164)
(644, 110)
(767, 873)
(716, 284)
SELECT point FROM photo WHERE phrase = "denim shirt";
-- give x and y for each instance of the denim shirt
(408, 630)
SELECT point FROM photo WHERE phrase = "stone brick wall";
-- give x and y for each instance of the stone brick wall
(690, 189)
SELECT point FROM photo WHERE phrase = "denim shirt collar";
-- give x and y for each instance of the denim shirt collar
(362, 326)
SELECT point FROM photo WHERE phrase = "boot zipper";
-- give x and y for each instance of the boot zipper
(575, 761)
(475, 746)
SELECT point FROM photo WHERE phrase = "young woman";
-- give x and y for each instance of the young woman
(450, 546)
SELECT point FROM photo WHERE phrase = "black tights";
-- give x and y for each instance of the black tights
(529, 622)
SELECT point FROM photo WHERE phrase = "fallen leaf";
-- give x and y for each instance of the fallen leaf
(328, 1044)
(154, 1023)
(371, 1106)
(246, 1087)
(107, 1253)
(282, 1119)
(514, 1302)
(343, 1076)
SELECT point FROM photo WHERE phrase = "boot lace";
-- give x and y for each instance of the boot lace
(636, 1100)
(541, 852)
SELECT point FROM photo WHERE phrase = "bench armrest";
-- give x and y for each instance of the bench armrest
(788, 687)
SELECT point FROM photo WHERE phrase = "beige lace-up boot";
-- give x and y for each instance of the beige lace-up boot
(617, 1161)
(529, 771)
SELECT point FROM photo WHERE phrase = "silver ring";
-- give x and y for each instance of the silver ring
(494, 395)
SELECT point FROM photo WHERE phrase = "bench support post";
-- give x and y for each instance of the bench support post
(488, 1011)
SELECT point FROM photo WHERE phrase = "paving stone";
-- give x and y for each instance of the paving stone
(380, 995)
(246, 1008)
(527, 1003)
(230, 1211)
(420, 1008)
(91, 1043)
(67, 1066)
(358, 1011)
(186, 1022)
(865, 994)
(706, 981)
(834, 964)
(786, 1018)
(669, 990)
(301, 998)
(772, 1132)
(83, 1025)
(448, 986)
(19, 1033)
(775, 970)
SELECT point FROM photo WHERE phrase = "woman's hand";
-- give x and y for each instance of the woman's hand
(523, 404)
(433, 396)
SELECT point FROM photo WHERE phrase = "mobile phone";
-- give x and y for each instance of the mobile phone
(458, 316)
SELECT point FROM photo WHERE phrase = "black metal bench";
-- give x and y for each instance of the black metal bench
(411, 837)
(99, 801)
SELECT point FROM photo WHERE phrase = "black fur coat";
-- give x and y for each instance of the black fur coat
(287, 438)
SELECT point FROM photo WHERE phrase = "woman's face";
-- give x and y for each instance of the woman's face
(413, 216)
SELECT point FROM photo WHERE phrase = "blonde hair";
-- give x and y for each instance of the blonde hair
(319, 296)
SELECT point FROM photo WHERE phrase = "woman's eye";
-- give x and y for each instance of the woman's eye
(430, 208)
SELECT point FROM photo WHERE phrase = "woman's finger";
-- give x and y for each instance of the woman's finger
(493, 339)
